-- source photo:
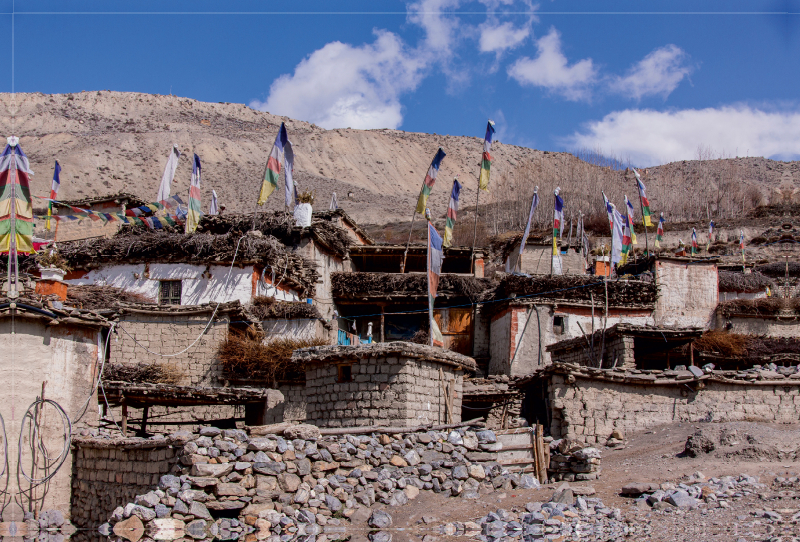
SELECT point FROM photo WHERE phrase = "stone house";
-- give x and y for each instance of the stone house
(397, 384)
(588, 404)
(629, 347)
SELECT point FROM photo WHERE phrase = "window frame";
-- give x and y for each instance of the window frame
(169, 299)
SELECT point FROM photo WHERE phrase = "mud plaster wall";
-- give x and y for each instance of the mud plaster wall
(326, 264)
(65, 357)
(296, 328)
(168, 334)
(590, 410)
(761, 326)
(392, 391)
(508, 326)
(104, 478)
(481, 345)
(688, 293)
(536, 261)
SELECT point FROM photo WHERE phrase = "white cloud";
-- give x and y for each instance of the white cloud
(652, 137)
(496, 37)
(551, 70)
(441, 29)
(659, 73)
(341, 86)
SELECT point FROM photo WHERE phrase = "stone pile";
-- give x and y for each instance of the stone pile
(697, 490)
(571, 461)
(302, 481)
(564, 517)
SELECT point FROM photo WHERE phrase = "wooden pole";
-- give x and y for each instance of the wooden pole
(403, 265)
(475, 228)
(383, 323)
(143, 428)
(124, 419)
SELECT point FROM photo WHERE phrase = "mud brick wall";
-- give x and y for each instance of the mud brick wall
(589, 410)
(392, 391)
(168, 334)
(104, 477)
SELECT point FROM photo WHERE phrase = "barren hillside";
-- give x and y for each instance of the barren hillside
(110, 142)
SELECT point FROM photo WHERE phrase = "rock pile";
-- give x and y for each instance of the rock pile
(579, 518)
(300, 481)
(570, 460)
(713, 492)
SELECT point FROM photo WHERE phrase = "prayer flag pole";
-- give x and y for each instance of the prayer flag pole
(422, 201)
(483, 184)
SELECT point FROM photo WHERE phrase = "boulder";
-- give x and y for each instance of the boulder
(380, 520)
(211, 469)
(302, 431)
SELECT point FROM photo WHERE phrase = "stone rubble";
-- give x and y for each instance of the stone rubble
(696, 491)
(571, 461)
(278, 486)
(584, 518)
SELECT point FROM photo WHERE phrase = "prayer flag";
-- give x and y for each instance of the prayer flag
(710, 234)
(695, 249)
(616, 236)
(169, 174)
(435, 257)
(15, 190)
(627, 241)
(334, 202)
(272, 172)
(486, 161)
(53, 193)
(660, 231)
(290, 194)
(452, 210)
(534, 205)
(644, 200)
(429, 181)
(193, 214)
(558, 218)
(214, 208)
(629, 206)
(741, 243)
(609, 211)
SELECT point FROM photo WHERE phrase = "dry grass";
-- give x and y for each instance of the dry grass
(264, 307)
(727, 344)
(96, 297)
(137, 373)
(245, 354)
(730, 281)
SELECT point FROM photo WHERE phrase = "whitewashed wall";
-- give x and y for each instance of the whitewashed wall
(196, 288)
(730, 296)
(306, 328)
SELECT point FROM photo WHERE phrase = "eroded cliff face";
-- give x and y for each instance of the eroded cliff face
(110, 142)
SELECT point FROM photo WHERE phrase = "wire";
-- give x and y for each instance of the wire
(208, 325)
(36, 441)
(102, 353)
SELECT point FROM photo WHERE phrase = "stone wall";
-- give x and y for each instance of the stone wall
(688, 292)
(617, 352)
(590, 409)
(107, 474)
(392, 391)
(170, 333)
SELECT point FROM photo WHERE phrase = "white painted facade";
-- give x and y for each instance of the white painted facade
(688, 292)
(199, 283)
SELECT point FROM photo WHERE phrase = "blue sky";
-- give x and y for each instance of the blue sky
(648, 86)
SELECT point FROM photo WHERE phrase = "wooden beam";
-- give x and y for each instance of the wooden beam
(124, 419)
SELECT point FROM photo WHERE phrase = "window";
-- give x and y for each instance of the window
(558, 325)
(170, 292)
(345, 373)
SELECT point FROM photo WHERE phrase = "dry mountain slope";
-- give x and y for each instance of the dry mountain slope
(111, 141)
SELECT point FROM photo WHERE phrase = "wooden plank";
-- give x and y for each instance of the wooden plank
(517, 454)
(515, 462)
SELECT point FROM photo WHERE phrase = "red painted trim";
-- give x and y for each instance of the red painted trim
(77, 274)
